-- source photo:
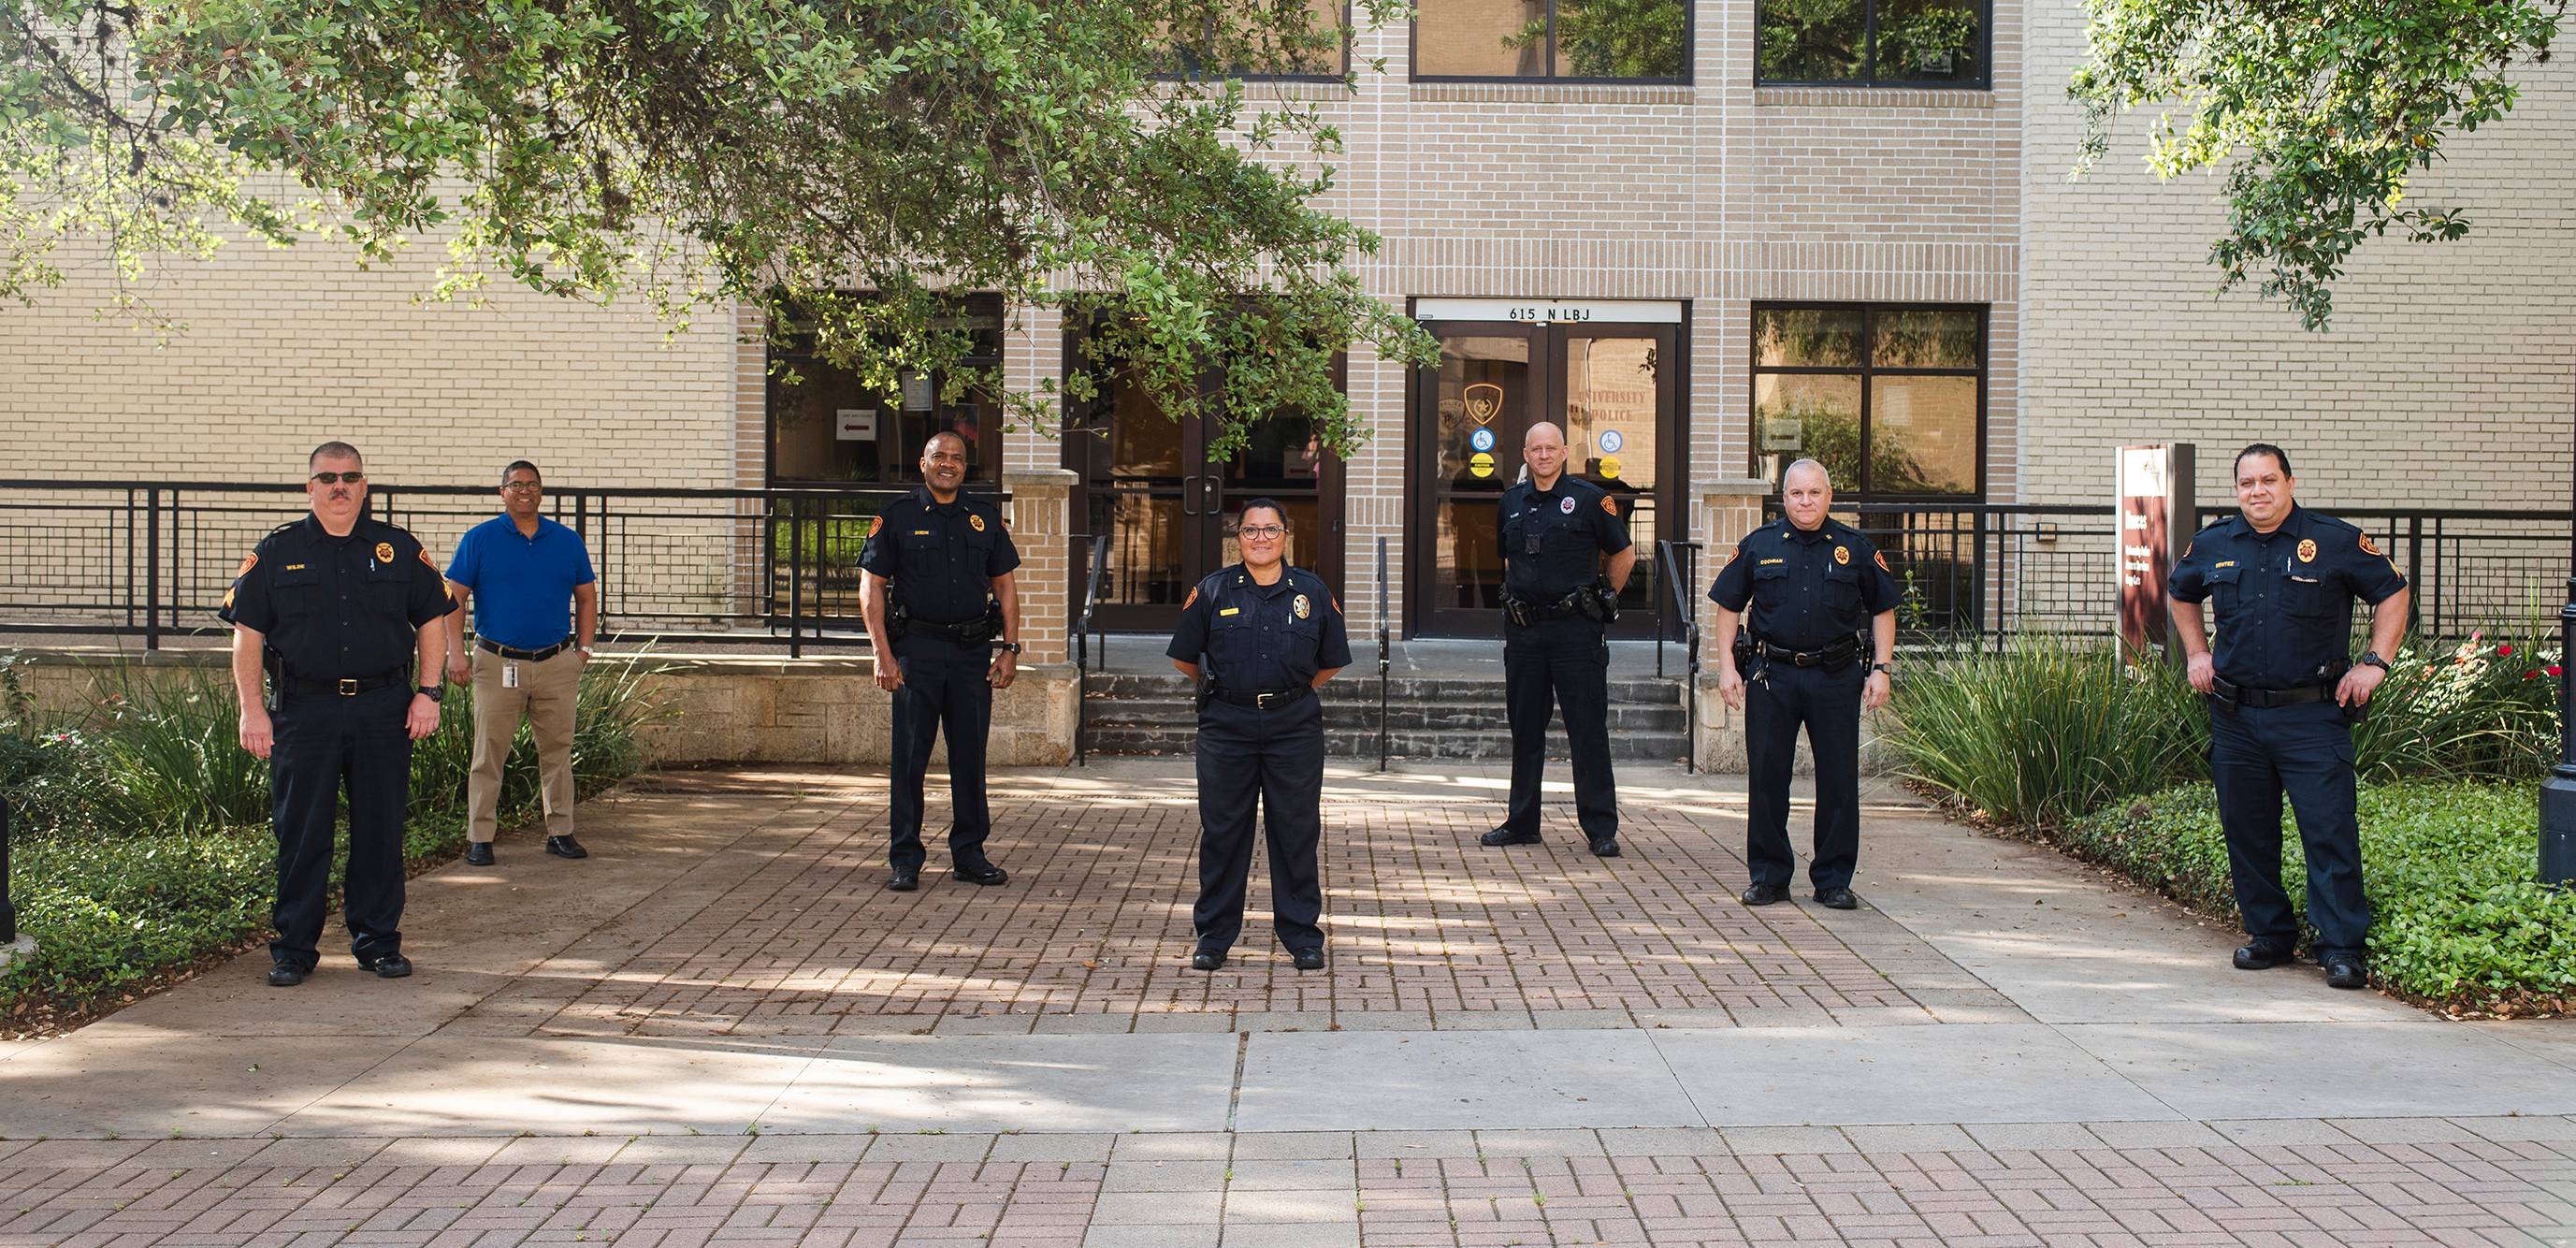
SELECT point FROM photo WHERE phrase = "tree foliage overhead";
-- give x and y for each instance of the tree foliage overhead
(690, 153)
(2320, 111)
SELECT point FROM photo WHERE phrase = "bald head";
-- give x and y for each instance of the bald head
(1543, 433)
(1807, 467)
(1543, 449)
(1806, 493)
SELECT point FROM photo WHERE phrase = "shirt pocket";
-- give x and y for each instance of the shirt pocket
(1233, 643)
(2305, 594)
(1842, 588)
(389, 591)
(1771, 585)
(1302, 639)
(296, 593)
(2226, 586)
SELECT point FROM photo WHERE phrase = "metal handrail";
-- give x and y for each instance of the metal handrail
(1384, 662)
(1098, 550)
(1681, 577)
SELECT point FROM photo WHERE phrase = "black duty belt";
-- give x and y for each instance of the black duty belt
(1525, 614)
(1832, 658)
(967, 633)
(1268, 701)
(523, 656)
(2264, 699)
(346, 686)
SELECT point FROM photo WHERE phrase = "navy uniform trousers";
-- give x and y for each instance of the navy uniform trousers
(2257, 753)
(1775, 706)
(326, 743)
(944, 685)
(1277, 757)
(1552, 665)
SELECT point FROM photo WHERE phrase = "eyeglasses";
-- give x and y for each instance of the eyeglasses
(335, 478)
(524, 486)
(1261, 530)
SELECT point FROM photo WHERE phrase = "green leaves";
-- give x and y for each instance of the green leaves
(2320, 111)
(695, 153)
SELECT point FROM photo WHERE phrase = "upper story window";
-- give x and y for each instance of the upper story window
(1321, 53)
(1890, 399)
(827, 428)
(1871, 43)
(1644, 41)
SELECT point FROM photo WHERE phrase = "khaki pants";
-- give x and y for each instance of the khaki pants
(545, 697)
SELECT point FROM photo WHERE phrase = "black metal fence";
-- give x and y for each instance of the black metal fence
(1976, 574)
(152, 559)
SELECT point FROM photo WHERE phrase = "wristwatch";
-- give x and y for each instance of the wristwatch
(1888, 668)
(1012, 646)
(2370, 658)
(435, 693)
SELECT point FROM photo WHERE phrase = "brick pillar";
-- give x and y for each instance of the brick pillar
(1729, 510)
(1041, 525)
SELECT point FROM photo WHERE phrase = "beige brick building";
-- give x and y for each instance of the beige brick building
(1601, 252)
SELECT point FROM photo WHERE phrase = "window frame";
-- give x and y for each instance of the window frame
(1343, 75)
(1870, 81)
(974, 303)
(1860, 491)
(1690, 48)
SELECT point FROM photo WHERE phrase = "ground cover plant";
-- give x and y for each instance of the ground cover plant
(139, 833)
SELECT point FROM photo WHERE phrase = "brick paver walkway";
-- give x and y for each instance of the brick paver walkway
(1095, 921)
(1397, 1190)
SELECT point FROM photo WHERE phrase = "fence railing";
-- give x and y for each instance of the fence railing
(1977, 574)
(153, 559)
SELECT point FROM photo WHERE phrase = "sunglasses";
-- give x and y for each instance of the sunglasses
(335, 478)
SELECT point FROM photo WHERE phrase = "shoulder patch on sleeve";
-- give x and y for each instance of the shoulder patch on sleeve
(249, 561)
(2368, 547)
(1192, 600)
(1881, 557)
(424, 558)
(1610, 504)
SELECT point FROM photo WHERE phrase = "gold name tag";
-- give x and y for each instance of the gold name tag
(1231, 611)
(1768, 562)
(295, 567)
(921, 532)
(2224, 563)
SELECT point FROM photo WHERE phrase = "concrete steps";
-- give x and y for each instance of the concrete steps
(1443, 717)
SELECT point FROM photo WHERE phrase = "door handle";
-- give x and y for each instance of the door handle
(1189, 495)
(1214, 503)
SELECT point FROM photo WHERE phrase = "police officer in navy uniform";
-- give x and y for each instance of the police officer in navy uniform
(346, 616)
(2283, 696)
(1267, 635)
(1812, 586)
(1557, 595)
(936, 591)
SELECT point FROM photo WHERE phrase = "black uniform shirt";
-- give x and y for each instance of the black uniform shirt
(940, 558)
(339, 607)
(2284, 598)
(1808, 588)
(1552, 540)
(1262, 638)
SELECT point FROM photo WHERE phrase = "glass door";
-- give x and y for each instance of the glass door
(1611, 388)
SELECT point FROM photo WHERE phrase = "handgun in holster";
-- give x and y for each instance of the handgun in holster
(898, 621)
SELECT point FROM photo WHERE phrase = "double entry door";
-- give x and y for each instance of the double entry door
(1167, 513)
(1609, 387)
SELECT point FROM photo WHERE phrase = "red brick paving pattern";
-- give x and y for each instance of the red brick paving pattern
(2447, 1193)
(1095, 921)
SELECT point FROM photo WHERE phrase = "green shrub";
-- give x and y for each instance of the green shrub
(2462, 920)
(2046, 731)
(2056, 726)
(145, 844)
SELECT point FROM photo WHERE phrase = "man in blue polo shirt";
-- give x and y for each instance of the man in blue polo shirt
(536, 608)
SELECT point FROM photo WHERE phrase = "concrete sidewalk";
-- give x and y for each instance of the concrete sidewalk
(722, 1029)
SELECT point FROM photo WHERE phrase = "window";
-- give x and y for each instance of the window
(1569, 40)
(1322, 54)
(828, 429)
(1886, 43)
(1891, 400)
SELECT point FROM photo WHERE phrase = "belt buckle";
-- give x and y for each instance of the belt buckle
(1261, 701)
(348, 686)
(1804, 658)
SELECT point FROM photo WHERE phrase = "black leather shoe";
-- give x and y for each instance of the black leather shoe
(390, 966)
(1308, 959)
(987, 874)
(565, 847)
(2345, 970)
(1208, 960)
(904, 879)
(1837, 899)
(1763, 895)
(2260, 956)
(1505, 836)
(284, 976)
(1605, 847)
(479, 854)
